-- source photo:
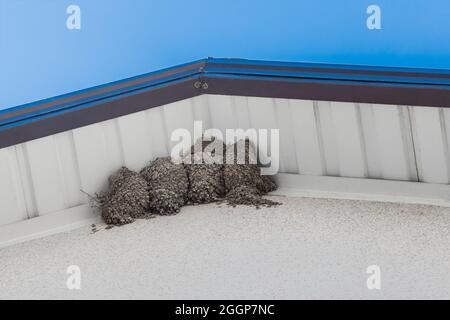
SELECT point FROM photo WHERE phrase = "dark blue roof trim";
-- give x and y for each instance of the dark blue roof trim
(424, 87)
(98, 93)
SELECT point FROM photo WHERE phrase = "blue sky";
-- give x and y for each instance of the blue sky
(41, 58)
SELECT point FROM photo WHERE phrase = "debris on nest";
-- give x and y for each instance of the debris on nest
(205, 175)
(244, 183)
(250, 196)
(168, 186)
(127, 198)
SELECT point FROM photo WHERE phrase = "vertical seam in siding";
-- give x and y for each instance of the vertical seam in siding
(362, 140)
(191, 107)
(208, 111)
(293, 135)
(165, 129)
(61, 177)
(249, 115)
(411, 145)
(274, 112)
(281, 164)
(16, 181)
(119, 140)
(234, 111)
(445, 142)
(27, 166)
(77, 165)
(291, 118)
(20, 173)
(277, 124)
(319, 138)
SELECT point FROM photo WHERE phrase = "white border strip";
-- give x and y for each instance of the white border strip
(295, 185)
(292, 185)
(46, 225)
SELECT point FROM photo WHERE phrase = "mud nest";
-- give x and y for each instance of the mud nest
(206, 183)
(244, 184)
(163, 187)
(168, 186)
(127, 198)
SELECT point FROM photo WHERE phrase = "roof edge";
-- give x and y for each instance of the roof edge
(312, 81)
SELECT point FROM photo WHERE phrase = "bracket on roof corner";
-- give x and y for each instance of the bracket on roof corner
(201, 84)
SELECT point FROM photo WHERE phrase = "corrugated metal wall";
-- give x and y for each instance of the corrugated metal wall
(316, 138)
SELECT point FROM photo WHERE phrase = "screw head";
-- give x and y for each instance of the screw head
(197, 84)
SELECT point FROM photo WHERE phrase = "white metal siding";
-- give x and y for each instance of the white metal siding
(316, 138)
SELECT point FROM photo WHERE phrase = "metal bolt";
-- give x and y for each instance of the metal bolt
(197, 85)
